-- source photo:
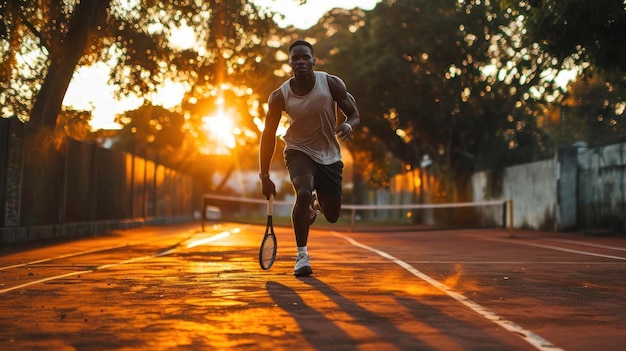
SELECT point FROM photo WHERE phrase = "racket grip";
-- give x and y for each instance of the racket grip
(270, 205)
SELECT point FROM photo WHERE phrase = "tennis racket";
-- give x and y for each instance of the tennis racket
(267, 252)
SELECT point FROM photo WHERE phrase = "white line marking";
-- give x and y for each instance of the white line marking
(64, 256)
(44, 280)
(111, 265)
(582, 243)
(538, 342)
(80, 253)
(208, 239)
(587, 263)
(557, 248)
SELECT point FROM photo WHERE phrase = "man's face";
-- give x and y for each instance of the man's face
(301, 60)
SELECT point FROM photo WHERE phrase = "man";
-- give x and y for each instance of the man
(312, 153)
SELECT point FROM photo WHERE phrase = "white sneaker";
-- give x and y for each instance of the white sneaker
(303, 266)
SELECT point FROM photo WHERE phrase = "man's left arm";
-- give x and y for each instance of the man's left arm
(347, 104)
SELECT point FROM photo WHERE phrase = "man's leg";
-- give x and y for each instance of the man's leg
(330, 206)
(329, 190)
(303, 186)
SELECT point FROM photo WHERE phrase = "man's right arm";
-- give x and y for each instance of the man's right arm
(268, 137)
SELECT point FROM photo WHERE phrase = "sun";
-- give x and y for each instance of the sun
(220, 130)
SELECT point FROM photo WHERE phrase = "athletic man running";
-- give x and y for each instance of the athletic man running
(312, 153)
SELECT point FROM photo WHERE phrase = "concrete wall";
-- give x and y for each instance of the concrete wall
(532, 187)
(582, 189)
(602, 187)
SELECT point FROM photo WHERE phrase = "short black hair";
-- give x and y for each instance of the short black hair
(301, 42)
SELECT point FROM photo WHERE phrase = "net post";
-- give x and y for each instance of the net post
(511, 234)
(505, 214)
(352, 219)
(203, 214)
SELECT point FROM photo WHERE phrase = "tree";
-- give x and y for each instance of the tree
(54, 36)
(151, 127)
(583, 33)
(585, 30)
(42, 43)
(449, 80)
(593, 111)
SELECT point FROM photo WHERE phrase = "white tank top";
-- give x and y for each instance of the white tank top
(312, 121)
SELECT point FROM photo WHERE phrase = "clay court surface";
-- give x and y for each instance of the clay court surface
(178, 288)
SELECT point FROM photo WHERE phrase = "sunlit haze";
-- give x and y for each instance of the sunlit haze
(89, 90)
(220, 130)
(307, 15)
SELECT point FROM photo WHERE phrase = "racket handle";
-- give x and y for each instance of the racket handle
(270, 205)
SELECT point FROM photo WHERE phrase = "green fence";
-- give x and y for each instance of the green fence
(69, 188)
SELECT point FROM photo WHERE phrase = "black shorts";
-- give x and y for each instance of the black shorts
(327, 178)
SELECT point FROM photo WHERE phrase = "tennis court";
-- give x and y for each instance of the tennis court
(373, 288)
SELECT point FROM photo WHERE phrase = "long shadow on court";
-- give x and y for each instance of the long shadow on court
(468, 336)
(319, 331)
(381, 326)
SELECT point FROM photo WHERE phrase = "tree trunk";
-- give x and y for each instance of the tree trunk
(88, 17)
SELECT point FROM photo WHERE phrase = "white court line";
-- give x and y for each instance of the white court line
(66, 275)
(557, 248)
(538, 342)
(574, 263)
(582, 243)
(80, 253)
(111, 265)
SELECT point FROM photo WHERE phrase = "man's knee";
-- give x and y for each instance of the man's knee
(304, 195)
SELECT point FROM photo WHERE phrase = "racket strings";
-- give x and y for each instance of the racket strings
(268, 251)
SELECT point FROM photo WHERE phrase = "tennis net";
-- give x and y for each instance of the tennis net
(484, 214)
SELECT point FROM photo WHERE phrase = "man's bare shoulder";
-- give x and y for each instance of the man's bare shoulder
(334, 80)
(276, 99)
(337, 87)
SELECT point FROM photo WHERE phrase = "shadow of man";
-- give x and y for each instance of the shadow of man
(322, 333)
(380, 325)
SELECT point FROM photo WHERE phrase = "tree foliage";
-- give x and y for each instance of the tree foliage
(42, 43)
(457, 81)
(587, 34)
(449, 80)
(585, 30)
(593, 111)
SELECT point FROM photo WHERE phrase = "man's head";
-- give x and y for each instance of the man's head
(301, 57)
(301, 42)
